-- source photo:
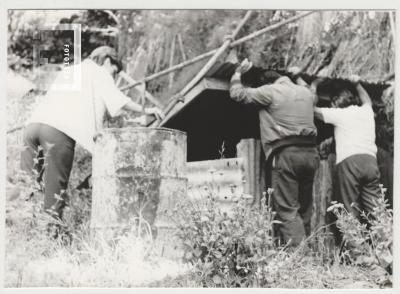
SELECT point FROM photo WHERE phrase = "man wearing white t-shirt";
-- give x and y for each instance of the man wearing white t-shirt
(357, 170)
(66, 116)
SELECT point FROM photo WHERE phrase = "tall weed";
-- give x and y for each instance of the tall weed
(368, 241)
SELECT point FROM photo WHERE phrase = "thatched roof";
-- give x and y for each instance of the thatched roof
(346, 43)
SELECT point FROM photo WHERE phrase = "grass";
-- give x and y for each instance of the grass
(300, 272)
(121, 265)
(304, 268)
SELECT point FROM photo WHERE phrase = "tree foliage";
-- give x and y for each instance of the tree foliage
(345, 41)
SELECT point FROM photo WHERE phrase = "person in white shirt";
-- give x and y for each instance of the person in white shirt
(357, 173)
(65, 116)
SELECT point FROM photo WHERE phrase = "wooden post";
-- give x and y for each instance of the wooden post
(322, 197)
(322, 193)
(251, 152)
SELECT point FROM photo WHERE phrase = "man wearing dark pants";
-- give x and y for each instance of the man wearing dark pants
(56, 154)
(288, 136)
(292, 181)
(65, 116)
(358, 183)
(357, 172)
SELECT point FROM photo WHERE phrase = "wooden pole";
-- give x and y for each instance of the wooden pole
(270, 28)
(392, 27)
(171, 62)
(388, 77)
(15, 129)
(209, 64)
(393, 30)
(181, 47)
(216, 55)
(160, 44)
(171, 69)
(210, 53)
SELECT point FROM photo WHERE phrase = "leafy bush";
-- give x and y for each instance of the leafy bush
(368, 241)
(226, 247)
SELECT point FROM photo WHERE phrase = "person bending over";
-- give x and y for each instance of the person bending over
(66, 116)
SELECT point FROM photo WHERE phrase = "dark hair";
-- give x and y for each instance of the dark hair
(100, 54)
(347, 98)
(269, 77)
(116, 62)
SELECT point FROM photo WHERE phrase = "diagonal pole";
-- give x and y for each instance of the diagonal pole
(216, 55)
(209, 63)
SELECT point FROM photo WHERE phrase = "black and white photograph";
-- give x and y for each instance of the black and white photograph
(200, 148)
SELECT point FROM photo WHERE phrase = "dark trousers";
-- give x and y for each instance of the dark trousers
(292, 180)
(357, 181)
(52, 162)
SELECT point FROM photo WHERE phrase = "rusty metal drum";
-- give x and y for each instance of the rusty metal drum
(138, 174)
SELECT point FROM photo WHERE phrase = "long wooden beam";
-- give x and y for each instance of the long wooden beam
(209, 64)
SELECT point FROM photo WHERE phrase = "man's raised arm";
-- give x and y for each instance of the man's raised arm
(362, 93)
(258, 96)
